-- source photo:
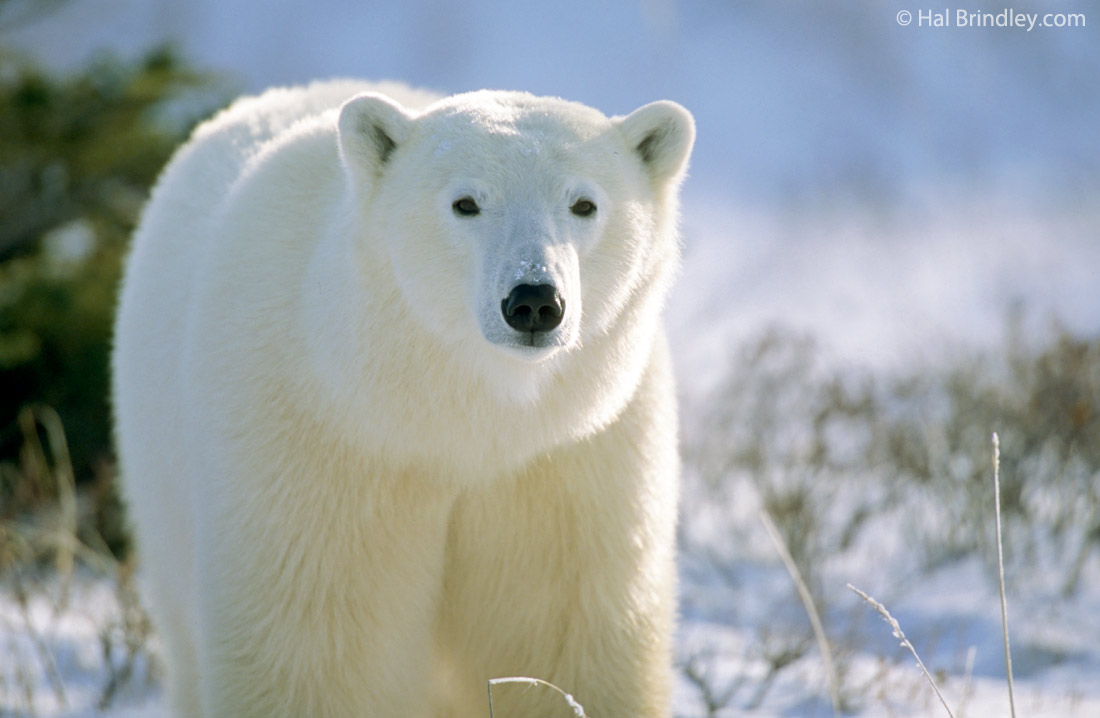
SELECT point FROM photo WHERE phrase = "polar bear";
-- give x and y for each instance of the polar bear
(394, 406)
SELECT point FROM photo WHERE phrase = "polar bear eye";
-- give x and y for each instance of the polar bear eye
(466, 207)
(583, 208)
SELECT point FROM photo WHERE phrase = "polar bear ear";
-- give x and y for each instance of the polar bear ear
(371, 127)
(662, 134)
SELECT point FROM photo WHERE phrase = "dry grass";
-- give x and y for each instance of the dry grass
(900, 635)
(43, 549)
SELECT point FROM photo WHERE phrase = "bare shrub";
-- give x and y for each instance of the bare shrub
(826, 451)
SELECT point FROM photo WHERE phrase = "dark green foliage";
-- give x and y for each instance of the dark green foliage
(78, 156)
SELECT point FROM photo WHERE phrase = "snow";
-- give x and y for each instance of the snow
(57, 654)
(893, 191)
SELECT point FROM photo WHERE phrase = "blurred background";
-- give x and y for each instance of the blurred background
(892, 249)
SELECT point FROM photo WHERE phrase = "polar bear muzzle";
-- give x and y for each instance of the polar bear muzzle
(533, 308)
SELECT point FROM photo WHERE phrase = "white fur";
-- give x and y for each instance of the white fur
(356, 491)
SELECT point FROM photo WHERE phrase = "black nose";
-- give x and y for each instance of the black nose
(533, 308)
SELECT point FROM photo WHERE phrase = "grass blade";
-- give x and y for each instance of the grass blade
(900, 635)
(1001, 569)
(808, 604)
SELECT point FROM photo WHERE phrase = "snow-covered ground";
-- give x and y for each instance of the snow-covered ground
(54, 662)
(893, 190)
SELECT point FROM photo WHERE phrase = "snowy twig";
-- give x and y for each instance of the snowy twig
(900, 635)
(1001, 569)
(578, 709)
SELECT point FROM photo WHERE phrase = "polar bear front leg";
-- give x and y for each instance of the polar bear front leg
(568, 575)
(323, 603)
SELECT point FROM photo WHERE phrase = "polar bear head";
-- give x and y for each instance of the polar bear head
(525, 224)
